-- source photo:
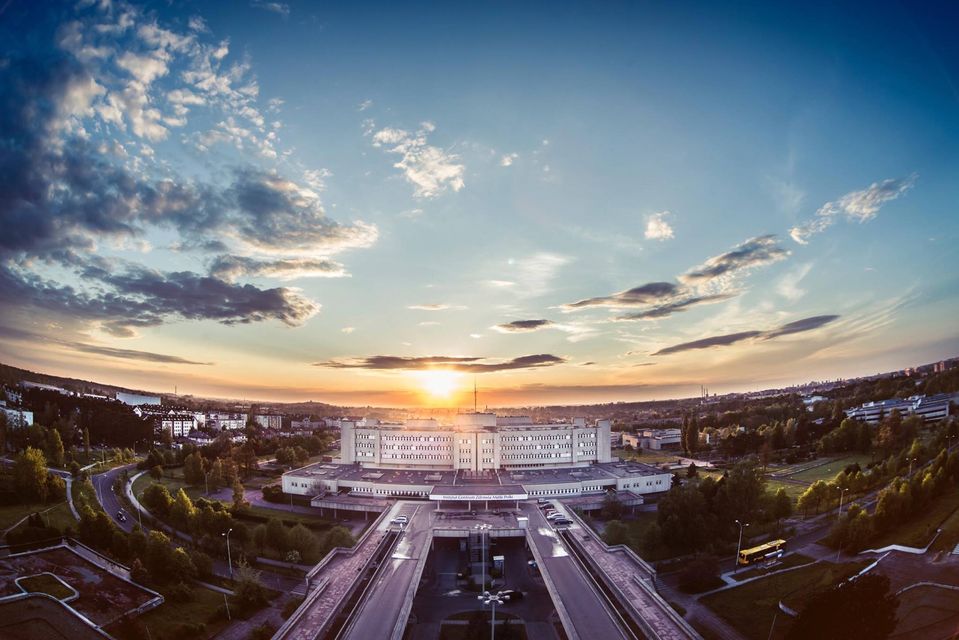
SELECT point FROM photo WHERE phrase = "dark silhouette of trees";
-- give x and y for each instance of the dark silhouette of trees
(859, 609)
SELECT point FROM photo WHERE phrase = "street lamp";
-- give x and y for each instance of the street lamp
(911, 460)
(492, 599)
(739, 546)
(483, 529)
(842, 492)
(229, 558)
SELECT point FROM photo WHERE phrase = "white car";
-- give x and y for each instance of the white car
(400, 520)
(555, 516)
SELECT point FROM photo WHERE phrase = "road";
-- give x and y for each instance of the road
(111, 503)
(380, 611)
(585, 607)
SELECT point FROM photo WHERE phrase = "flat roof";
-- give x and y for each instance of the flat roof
(474, 490)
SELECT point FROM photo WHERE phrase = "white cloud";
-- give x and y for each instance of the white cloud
(534, 274)
(363, 106)
(858, 206)
(429, 169)
(657, 228)
(788, 285)
(279, 8)
(348, 329)
(508, 159)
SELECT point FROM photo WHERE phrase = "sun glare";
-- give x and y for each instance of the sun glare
(438, 384)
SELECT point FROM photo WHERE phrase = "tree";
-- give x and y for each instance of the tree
(239, 499)
(248, 591)
(303, 541)
(691, 471)
(612, 509)
(55, 448)
(782, 505)
(692, 435)
(30, 474)
(276, 535)
(158, 500)
(216, 474)
(193, 469)
(156, 472)
(616, 533)
(337, 537)
(859, 609)
(700, 575)
(158, 556)
(182, 511)
(3, 433)
(86, 442)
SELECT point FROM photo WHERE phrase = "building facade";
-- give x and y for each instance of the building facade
(929, 408)
(225, 421)
(269, 421)
(474, 442)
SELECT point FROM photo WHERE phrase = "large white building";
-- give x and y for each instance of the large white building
(480, 457)
(929, 408)
(474, 442)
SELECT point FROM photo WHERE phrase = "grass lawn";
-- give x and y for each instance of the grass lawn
(46, 584)
(751, 607)
(792, 560)
(173, 484)
(792, 490)
(949, 538)
(918, 531)
(649, 457)
(11, 513)
(164, 622)
(829, 470)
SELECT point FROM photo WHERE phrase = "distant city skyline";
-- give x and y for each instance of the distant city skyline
(564, 204)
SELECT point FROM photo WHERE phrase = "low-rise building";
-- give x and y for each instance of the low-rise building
(225, 421)
(929, 408)
(268, 421)
(17, 417)
(655, 439)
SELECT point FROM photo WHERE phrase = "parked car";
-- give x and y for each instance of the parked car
(399, 520)
(562, 522)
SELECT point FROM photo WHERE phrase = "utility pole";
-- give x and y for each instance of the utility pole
(739, 547)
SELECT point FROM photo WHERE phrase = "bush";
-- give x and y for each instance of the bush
(702, 574)
(181, 592)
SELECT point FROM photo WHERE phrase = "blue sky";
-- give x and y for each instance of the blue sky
(380, 204)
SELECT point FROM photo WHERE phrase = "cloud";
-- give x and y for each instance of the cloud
(677, 306)
(429, 169)
(507, 159)
(798, 326)
(521, 326)
(754, 252)
(348, 330)
(788, 285)
(657, 228)
(858, 206)
(279, 8)
(363, 106)
(644, 294)
(449, 363)
(85, 347)
(439, 306)
(231, 268)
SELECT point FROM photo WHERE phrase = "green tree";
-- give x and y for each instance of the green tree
(182, 511)
(86, 443)
(248, 590)
(158, 500)
(276, 535)
(193, 469)
(216, 474)
(303, 541)
(615, 533)
(239, 499)
(55, 448)
(30, 474)
(861, 609)
(782, 505)
(612, 509)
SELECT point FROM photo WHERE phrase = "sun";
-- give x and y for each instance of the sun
(437, 383)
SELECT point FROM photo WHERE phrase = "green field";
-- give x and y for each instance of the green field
(46, 584)
(949, 538)
(792, 490)
(918, 531)
(829, 470)
(167, 621)
(53, 514)
(751, 607)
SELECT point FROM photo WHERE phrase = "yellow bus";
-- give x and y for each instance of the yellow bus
(767, 551)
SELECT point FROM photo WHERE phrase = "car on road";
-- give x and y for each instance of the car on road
(400, 520)
(554, 516)
(512, 594)
(122, 517)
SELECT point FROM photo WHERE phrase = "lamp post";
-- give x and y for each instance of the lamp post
(739, 546)
(911, 460)
(492, 599)
(842, 492)
(483, 529)
(229, 558)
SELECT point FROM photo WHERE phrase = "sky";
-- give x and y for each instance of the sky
(387, 204)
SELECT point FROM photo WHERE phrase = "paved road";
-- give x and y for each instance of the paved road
(586, 609)
(384, 603)
(112, 504)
